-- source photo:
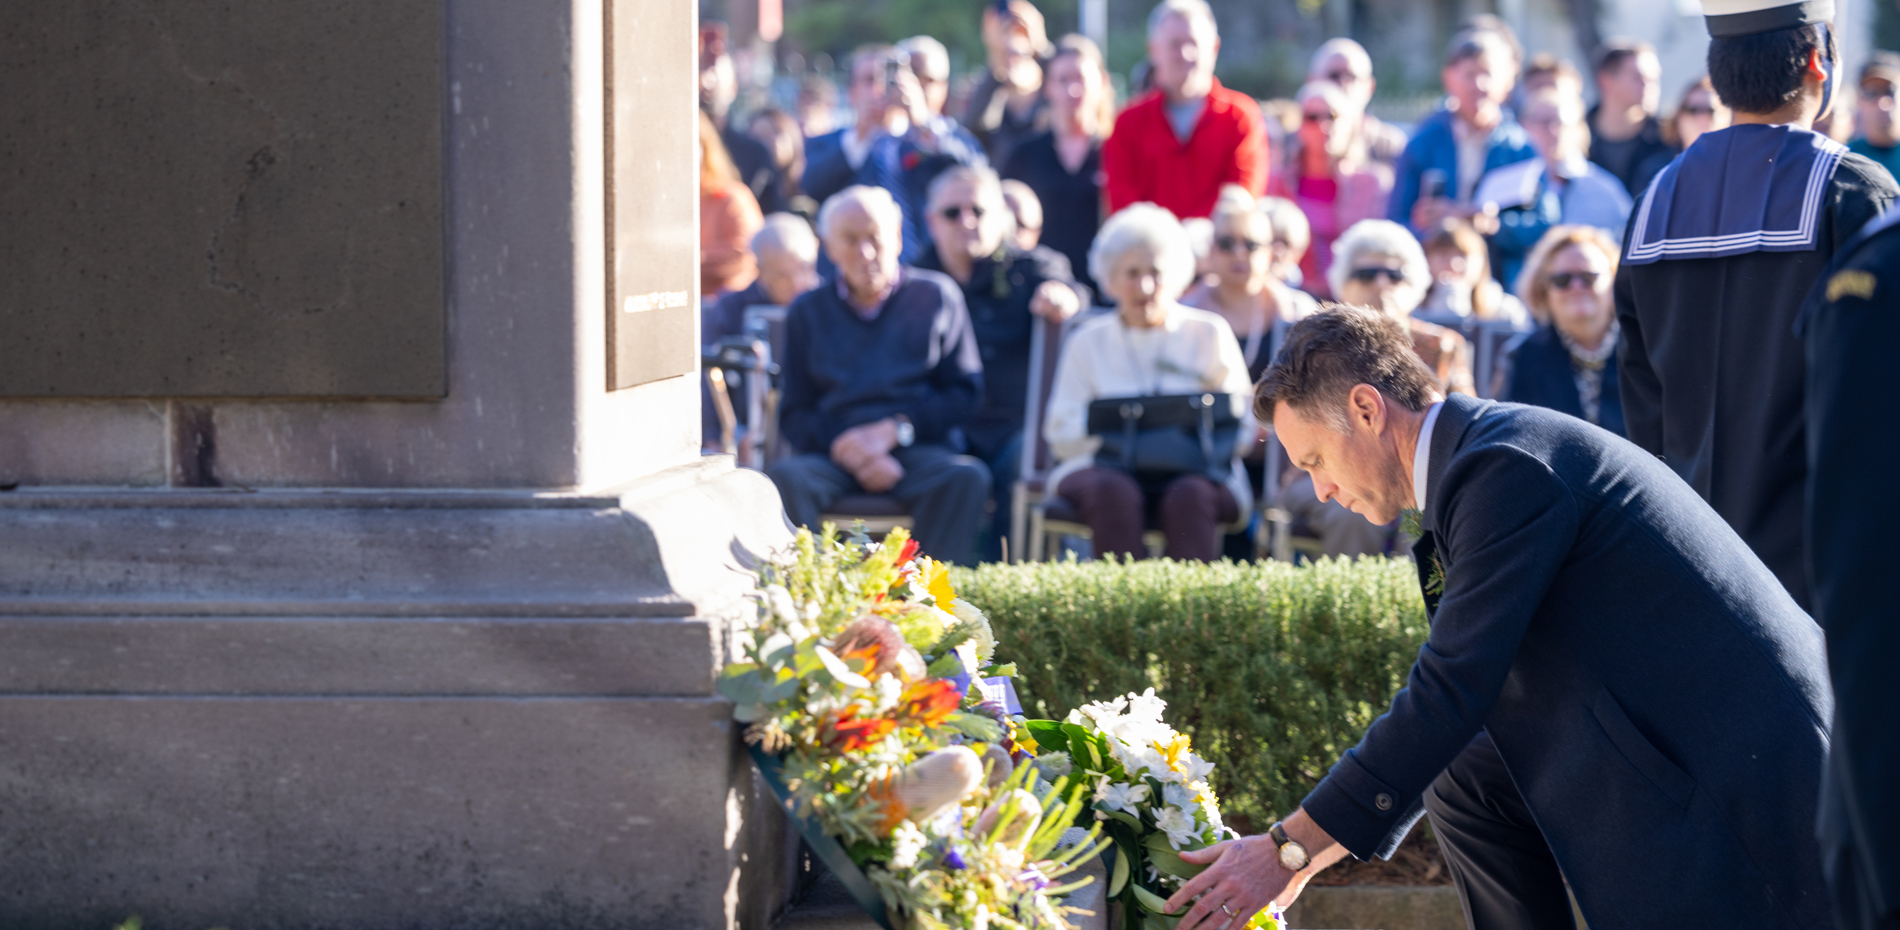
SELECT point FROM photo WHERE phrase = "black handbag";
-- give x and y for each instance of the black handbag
(1166, 435)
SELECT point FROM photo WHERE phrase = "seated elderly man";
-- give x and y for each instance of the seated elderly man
(1005, 289)
(880, 366)
(787, 254)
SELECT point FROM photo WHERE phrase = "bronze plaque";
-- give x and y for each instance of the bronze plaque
(222, 200)
(653, 191)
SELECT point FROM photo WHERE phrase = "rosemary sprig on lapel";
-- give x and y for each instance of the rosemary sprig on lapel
(1411, 524)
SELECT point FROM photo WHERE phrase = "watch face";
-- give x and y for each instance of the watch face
(1293, 857)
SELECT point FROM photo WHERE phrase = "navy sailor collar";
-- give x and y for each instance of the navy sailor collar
(1743, 189)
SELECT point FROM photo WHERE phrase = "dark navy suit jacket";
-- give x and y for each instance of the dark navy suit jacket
(1659, 699)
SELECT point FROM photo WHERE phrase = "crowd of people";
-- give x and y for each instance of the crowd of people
(1171, 239)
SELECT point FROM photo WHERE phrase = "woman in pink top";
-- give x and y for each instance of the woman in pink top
(1329, 176)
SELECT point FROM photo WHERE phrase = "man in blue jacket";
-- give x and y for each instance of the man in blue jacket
(1615, 690)
(1437, 174)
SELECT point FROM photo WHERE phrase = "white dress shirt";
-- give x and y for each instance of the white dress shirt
(1422, 456)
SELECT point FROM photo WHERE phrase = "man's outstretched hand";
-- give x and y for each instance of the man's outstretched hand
(1246, 876)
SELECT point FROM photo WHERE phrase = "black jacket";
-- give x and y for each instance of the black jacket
(1711, 374)
(1852, 328)
(1541, 375)
(998, 296)
(1659, 699)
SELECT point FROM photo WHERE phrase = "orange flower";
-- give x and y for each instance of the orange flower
(849, 732)
(928, 703)
(884, 795)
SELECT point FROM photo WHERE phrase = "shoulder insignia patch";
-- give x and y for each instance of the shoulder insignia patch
(1851, 283)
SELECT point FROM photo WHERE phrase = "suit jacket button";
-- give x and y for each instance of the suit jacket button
(1383, 802)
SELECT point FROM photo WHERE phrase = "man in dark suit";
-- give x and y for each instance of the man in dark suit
(1615, 690)
(1851, 325)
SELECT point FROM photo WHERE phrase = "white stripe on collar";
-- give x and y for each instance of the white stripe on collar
(1422, 455)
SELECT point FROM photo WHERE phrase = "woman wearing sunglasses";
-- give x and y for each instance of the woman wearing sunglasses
(1329, 176)
(1569, 363)
(1378, 264)
(1242, 288)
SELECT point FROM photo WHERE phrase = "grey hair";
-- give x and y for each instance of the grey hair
(1145, 224)
(932, 51)
(786, 232)
(1339, 45)
(875, 200)
(1378, 237)
(1190, 10)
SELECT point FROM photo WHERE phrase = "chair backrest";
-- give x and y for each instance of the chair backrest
(1489, 341)
(766, 322)
(1045, 350)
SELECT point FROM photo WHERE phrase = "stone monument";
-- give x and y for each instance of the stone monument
(358, 565)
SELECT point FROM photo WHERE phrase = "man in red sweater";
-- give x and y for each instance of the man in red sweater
(1177, 145)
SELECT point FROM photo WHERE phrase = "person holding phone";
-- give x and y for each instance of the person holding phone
(898, 143)
(1472, 134)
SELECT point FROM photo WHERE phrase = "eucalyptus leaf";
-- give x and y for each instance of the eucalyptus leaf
(777, 649)
(740, 683)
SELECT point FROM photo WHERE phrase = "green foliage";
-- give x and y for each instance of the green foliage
(1274, 670)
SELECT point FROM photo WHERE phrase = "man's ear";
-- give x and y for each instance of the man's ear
(1817, 64)
(1366, 405)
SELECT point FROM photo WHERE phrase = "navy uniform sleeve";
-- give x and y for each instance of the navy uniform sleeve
(1639, 388)
(1853, 507)
(1500, 552)
(958, 375)
(1861, 190)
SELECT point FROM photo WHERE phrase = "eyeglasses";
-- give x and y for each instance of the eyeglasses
(1370, 275)
(1342, 77)
(1563, 279)
(1872, 91)
(1319, 117)
(1238, 244)
(1698, 111)
(954, 212)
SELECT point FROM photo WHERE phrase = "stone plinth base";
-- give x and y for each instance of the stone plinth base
(382, 710)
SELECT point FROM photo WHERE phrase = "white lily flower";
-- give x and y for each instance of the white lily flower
(1121, 797)
(1179, 825)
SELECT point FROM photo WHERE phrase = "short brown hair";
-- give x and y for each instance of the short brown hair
(1328, 353)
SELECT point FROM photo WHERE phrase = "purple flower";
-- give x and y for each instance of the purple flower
(954, 860)
(1033, 877)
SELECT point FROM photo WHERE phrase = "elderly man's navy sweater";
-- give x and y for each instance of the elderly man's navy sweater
(916, 357)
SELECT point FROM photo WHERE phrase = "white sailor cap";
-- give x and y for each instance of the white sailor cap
(1730, 18)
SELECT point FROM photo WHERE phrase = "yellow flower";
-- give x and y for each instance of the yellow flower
(1173, 751)
(936, 578)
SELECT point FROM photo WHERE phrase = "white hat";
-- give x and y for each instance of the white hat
(1730, 18)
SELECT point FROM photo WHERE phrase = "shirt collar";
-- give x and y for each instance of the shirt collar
(844, 296)
(1422, 456)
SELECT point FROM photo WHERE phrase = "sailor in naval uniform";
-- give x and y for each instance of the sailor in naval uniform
(1718, 257)
(1851, 325)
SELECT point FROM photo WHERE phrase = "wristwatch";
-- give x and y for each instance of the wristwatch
(1292, 854)
(906, 433)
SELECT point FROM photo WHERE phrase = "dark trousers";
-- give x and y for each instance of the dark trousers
(1190, 512)
(1507, 878)
(1005, 464)
(944, 492)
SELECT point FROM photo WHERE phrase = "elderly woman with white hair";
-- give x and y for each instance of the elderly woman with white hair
(1151, 347)
(1379, 264)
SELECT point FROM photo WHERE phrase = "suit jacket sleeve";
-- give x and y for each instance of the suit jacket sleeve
(1405, 181)
(1636, 381)
(1500, 549)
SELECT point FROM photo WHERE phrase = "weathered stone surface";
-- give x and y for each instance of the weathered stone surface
(222, 200)
(524, 219)
(81, 442)
(372, 813)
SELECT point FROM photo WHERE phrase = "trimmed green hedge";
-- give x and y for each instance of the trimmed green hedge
(1273, 669)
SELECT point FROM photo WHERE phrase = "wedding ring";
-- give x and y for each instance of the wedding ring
(1224, 909)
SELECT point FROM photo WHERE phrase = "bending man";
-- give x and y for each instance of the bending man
(1615, 691)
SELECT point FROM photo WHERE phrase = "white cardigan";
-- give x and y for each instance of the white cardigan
(1192, 350)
